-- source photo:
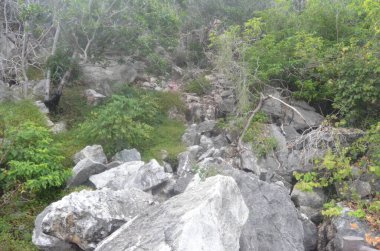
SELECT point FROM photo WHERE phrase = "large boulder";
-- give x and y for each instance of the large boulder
(83, 171)
(127, 155)
(209, 216)
(46, 242)
(309, 203)
(132, 174)
(332, 232)
(87, 217)
(304, 118)
(117, 178)
(273, 222)
(94, 153)
(102, 77)
(310, 234)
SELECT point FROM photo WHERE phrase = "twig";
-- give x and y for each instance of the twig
(291, 107)
(253, 113)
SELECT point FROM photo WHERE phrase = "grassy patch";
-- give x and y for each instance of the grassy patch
(15, 113)
(166, 136)
(199, 86)
(73, 106)
(35, 73)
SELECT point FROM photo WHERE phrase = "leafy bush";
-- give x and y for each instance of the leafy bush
(199, 86)
(30, 159)
(158, 64)
(325, 54)
(258, 135)
(59, 63)
(123, 122)
(331, 209)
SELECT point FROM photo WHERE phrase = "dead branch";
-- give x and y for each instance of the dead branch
(253, 113)
(291, 107)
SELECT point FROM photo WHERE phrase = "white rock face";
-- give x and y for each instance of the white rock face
(87, 217)
(95, 153)
(209, 217)
(132, 174)
(127, 155)
(47, 242)
(117, 178)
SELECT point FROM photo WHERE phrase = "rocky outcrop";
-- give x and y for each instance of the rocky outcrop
(83, 171)
(131, 174)
(104, 77)
(94, 153)
(306, 116)
(310, 203)
(87, 217)
(209, 216)
(331, 233)
(273, 223)
(93, 97)
(46, 242)
(310, 233)
(127, 155)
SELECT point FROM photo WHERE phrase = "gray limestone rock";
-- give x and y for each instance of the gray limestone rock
(46, 242)
(117, 178)
(208, 217)
(87, 217)
(83, 170)
(132, 174)
(95, 153)
(127, 155)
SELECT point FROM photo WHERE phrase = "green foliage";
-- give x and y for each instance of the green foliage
(59, 63)
(258, 134)
(17, 218)
(121, 123)
(331, 209)
(199, 86)
(307, 181)
(168, 101)
(30, 158)
(325, 54)
(205, 172)
(360, 213)
(158, 64)
(34, 73)
(13, 114)
(166, 136)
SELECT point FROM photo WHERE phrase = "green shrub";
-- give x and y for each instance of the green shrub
(259, 136)
(158, 64)
(121, 123)
(199, 86)
(31, 159)
(331, 209)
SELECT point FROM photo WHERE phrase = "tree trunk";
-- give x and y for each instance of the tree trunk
(23, 58)
(53, 50)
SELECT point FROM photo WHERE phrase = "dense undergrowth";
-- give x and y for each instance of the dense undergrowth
(35, 163)
(326, 53)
